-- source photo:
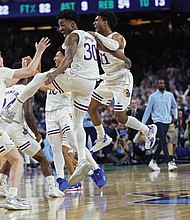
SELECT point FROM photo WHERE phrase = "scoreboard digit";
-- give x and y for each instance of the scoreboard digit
(51, 8)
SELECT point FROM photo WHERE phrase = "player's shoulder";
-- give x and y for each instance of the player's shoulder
(116, 34)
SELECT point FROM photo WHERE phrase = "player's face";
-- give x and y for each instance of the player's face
(99, 24)
(65, 26)
(58, 58)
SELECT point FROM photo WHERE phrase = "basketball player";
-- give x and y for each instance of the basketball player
(118, 83)
(59, 123)
(80, 55)
(7, 147)
(18, 132)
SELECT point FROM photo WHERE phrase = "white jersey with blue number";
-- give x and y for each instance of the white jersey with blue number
(85, 60)
(5, 73)
(11, 95)
(56, 100)
(110, 64)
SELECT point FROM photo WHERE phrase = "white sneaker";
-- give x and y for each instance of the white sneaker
(171, 166)
(81, 170)
(3, 191)
(16, 203)
(153, 165)
(150, 137)
(101, 142)
(7, 116)
(54, 192)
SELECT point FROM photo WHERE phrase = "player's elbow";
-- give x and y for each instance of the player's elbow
(128, 63)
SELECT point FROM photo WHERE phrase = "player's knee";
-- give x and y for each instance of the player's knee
(40, 157)
(121, 117)
(19, 160)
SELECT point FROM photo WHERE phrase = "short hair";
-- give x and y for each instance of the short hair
(109, 16)
(61, 50)
(68, 14)
(17, 65)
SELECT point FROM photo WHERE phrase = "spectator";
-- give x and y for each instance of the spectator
(122, 149)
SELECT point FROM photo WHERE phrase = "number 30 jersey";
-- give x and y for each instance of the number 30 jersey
(85, 60)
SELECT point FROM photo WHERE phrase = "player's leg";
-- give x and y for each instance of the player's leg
(30, 89)
(15, 175)
(68, 160)
(29, 146)
(46, 170)
(101, 95)
(82, 167)
(59, 161)
(4, 176)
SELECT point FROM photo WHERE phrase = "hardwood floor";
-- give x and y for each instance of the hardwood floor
(131, 192)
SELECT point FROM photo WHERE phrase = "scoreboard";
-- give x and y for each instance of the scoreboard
(52, 7)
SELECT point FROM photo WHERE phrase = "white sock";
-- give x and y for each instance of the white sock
(3, 179)
(132, 122)
(90, 172)
(91, 159)
(100, 131)
(51, 181)
(13, 191)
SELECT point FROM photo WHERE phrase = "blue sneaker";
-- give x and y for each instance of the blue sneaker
(75, 187)
(99, 177)
(63, 184)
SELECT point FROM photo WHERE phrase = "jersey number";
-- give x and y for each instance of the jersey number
(8, 104)
(90, 52)
(103, 59)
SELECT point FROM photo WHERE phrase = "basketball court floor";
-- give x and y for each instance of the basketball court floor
(131, 192)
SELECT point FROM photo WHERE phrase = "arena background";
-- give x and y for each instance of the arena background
(157, 39)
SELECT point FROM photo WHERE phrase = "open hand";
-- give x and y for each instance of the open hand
(43, 44)
(49, 78)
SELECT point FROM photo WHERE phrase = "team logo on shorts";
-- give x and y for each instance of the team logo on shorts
(25, 132)
(126, 92)
(70, 115)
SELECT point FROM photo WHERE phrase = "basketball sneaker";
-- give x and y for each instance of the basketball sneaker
(101, 143)
(3, 191)
(153, 165)
(7, 116)
(99, 177)
(16, 203)
(54, 192)
(171, 166)
(150, 137)
(75, 187)
(81, 170)
(63, 184)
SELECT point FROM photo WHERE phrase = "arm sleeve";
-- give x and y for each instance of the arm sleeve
(107, 42)
(174, 107)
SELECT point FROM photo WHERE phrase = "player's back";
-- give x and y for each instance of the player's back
(85, 60)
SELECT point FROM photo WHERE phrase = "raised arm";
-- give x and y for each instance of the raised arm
(30, 70)
(71, 43)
